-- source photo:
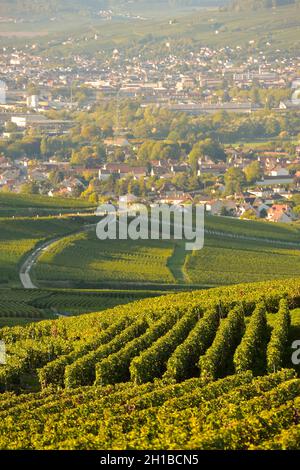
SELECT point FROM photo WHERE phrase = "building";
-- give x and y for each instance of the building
(32, 102)
(204, 108)
(280, 213)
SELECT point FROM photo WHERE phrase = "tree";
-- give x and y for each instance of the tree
(56, 177)
(89, 132)
(29, 188)
(32, 89)
(263, 213)
(45, 147)
(210, 148)
(252, 172)
(11, 127)
(234, 179)
(249, 215)
(145, 150)
(194, 158)
(93, 198)
(255, 96)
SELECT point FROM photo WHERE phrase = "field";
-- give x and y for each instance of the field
(200, 370)
(235, 251)
(259, 230)
(224, 261)
(83, 257)
(19, 236)
(20, 306)
(33, 205)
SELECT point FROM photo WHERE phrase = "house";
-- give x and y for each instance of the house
(280, 213)
(38, 175)
(175, 169)
(117, 142)
(275, 180)
(9, 175)
(139, 172)
(104, 175)
(215, 169)
(245, 207)
(279, 171)
(128, 198)
(159, 170)
(70, 186)
(122, 170)
(261, 209)
(216, 206)
(176, 198)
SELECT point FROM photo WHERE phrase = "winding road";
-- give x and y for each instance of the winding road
(32, 258)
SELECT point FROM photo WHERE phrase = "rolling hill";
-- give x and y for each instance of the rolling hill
(38, 7)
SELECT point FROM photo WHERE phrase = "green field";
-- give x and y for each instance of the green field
(258, 229)
(19, 236)
(235, 251)
(21, 205)
(83, 257)
(20, 306)
(221, 359)
(224, 261)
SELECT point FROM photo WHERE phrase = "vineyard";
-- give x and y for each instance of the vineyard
(19, 306)
(111, 260)
(150, 261)
(78, 259)
(219, 262)
(19, 236)
(261, 230)
(199, 370)
(31, 205)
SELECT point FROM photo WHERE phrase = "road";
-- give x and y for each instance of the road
(32, 258)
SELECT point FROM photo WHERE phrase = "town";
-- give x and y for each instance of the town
(216, 126)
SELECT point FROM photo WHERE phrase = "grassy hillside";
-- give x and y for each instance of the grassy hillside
(30, 205)
(225, 261)
(278, 27)
(84, 257)
(19, 236)
(216, 352)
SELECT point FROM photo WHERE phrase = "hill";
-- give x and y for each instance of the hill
(43, 7)
(218, 358)
(241, 5)
(268, 251)
(20, 205)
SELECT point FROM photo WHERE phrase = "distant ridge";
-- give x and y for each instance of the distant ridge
(241, 5)
(18, 7)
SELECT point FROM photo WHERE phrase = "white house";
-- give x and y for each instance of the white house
(279, 171)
